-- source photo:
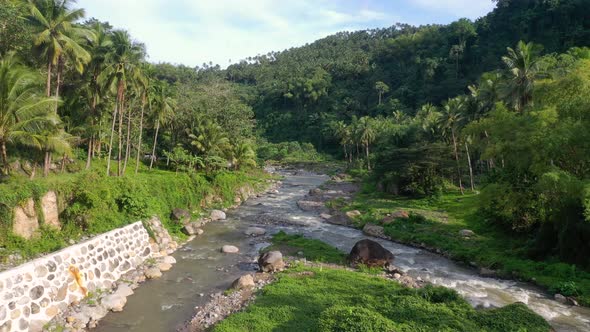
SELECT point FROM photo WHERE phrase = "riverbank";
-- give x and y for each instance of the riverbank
(449, 225)
(312, 296)
(85, 204)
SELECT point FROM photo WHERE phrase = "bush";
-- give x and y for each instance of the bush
(354, 319)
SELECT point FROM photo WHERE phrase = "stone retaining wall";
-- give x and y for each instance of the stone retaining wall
(33, 293)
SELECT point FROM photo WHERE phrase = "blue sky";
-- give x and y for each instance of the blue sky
(192, 32)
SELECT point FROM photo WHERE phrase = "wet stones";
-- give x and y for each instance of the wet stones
(254, 231)
(229, 249)
(375, 230)
(217, 215)
(271, 261)
(243, 282)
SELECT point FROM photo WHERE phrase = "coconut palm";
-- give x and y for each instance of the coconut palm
(523, 68)
(124, 67)
(242, 155)
(163, 106)
(342, 132)
(24, 111)
(209, 138)
(367, 135)
(450, 122)
(145, 87)
(382, 89)
(57, 37)
(99, 48)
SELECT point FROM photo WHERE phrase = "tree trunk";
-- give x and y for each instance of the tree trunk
(4, 157)
(368, 160)
(120, 152)
(143, 101)
(58, 82)
(49, 79)
(47, 163)
(63, 163)
(111, 139)
(128, 144)
(457, 160)
(380, 95)
(153, 157)
(470, 167)
(90, 153)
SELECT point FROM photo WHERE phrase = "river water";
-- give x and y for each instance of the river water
(201, 269)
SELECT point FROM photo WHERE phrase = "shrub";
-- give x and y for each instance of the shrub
(354, 319)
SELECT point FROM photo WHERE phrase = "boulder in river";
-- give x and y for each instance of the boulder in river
(370, 253)
(311, 205)
(153, 273)
(227, 249)
(243, 282)
(217, 215)
(180, 215)
(114, 302)
(255, 231)
(374, 230)
(271, 261)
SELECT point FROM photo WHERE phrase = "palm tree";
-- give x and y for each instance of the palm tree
(523, 68)
(123, 67)
(382, 89)
(145, 87)
(24, 110)
(367, 135)
(163, 105)
(57, 36)
(450, 122)
(99, 48)
(342, 132)
(209, 138)
(243, 155)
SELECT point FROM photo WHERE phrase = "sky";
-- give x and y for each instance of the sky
(193, 32)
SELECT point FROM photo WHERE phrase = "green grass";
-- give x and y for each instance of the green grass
(445, 216)
(313, 299)
(313, 250)
(91, 203)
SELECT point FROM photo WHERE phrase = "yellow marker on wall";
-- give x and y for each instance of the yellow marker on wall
(78, 278)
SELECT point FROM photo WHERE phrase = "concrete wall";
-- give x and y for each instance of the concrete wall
(33, 293)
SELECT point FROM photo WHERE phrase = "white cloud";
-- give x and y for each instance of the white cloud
(457, 8)
(192, 32)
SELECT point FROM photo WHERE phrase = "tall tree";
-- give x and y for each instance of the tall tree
(124, 67)
(450, 122)
(57, 35)
(24, 111)
(162, 105)
(523, 68)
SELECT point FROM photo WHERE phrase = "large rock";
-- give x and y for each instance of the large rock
(193, 228)
(50, 210)
(271, 261)
(26, 221)
(243, 282)
(374, 230)
(217, 215)
(255, 231)
(353, 213)
(230, 249)
(466, 233)
(153, 273)
(370, 253)
(114, 302)
(124, 290)
(180, 215)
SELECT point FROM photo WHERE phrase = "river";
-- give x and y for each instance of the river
(201, 270)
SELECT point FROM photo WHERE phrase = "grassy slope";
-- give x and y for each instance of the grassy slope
(490, 248)
(97, 203)
(327, 299)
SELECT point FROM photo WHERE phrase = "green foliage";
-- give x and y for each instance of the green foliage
(354, 319)
(288, 152)
(313, 250)
(312, 299)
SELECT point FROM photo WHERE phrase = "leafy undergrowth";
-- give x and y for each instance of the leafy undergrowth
(437, 222)
(311, 249)
(91, 203)
(325, 299)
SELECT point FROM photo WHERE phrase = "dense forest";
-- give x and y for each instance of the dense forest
(497, 105)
